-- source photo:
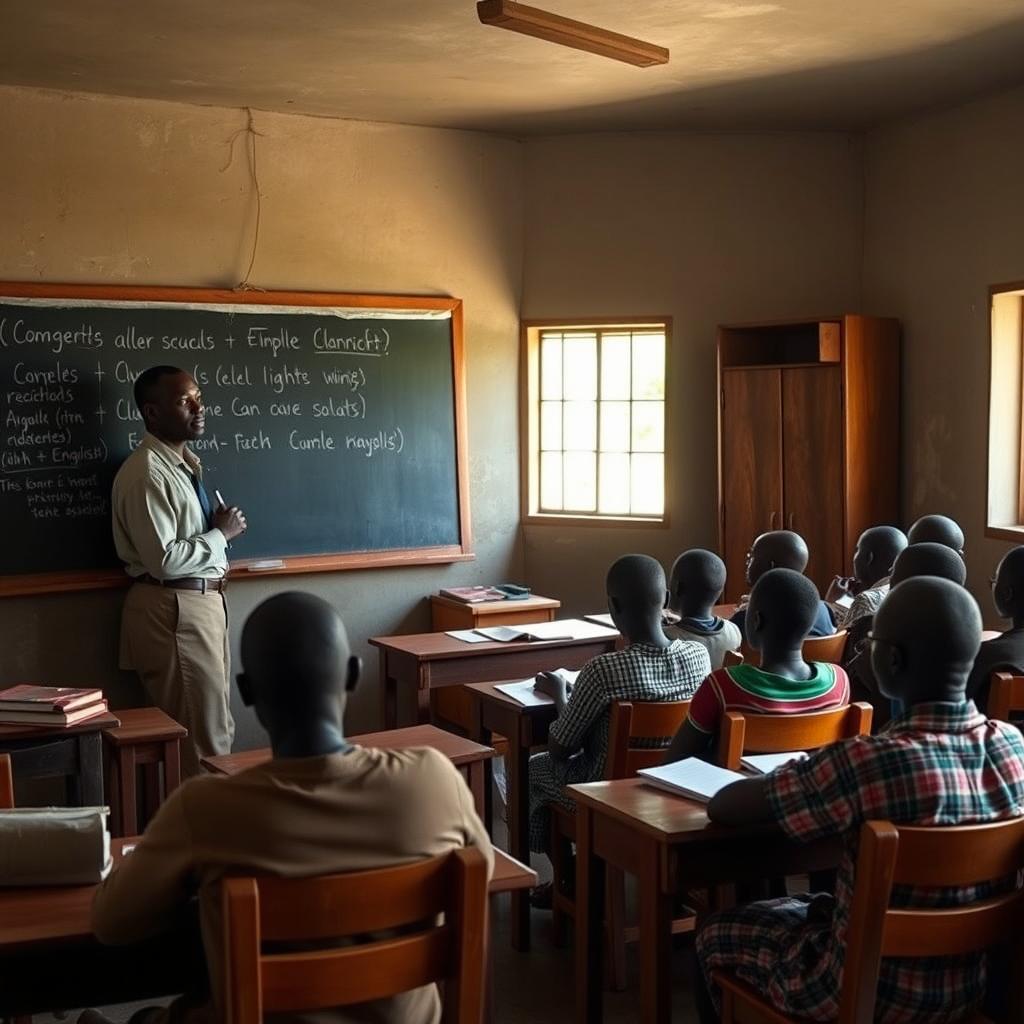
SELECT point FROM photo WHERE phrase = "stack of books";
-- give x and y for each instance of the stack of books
(473, 595)
(56, 707)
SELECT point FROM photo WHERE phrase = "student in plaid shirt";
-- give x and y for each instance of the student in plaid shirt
(650, 668)
(940, 763)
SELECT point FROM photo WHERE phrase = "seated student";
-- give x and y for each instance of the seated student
(320, 806)
(781, 549)
(650, 668)
(873, 559)
(916, 560)
(941, 763)
(937, 530)
(1003, 653)
(695, 584)
(782, 607)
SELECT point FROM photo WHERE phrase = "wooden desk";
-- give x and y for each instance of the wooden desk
(75, 753)
(447, 613)
(525, 728)
(420, 663)
(468, 756)
(666, 842)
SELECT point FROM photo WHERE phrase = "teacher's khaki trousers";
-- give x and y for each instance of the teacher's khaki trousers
(177, 642)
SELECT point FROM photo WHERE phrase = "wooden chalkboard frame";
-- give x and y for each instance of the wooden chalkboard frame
(53, 582)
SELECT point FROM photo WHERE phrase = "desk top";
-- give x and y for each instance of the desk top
(434, 646)
(488, 691)
(107, 720)
(533, 603)
(456, 748)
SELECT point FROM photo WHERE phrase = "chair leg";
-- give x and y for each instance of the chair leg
(615, 939)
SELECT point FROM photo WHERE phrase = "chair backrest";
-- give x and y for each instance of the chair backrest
(632, 722)
(410, 898)
(1005, 696)
(731, 658)
(6, 783)
(828, 649)
(930, 857)
(741, 734)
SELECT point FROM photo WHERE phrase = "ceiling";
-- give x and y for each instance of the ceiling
(760, 64)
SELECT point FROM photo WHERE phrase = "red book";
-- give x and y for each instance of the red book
(52, 719)
(46, 699)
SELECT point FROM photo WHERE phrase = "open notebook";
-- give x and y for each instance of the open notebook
(690, 777)
(762, 764)
(523, 691)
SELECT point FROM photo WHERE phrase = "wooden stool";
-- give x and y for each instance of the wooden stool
(146, 738)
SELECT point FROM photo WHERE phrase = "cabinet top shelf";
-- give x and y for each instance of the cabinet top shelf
(790, 344)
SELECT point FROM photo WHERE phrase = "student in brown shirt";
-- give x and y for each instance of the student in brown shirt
(320, 806)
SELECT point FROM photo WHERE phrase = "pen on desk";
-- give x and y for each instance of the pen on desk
(220, 499)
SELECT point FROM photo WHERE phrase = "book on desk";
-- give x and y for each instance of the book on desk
(50, 706)
(691, 777)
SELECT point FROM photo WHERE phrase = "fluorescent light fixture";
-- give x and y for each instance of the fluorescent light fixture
(532, 21)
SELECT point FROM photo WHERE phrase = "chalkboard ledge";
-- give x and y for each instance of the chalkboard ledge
(247, 569)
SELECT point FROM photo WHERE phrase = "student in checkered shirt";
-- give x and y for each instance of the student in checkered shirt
(939, 763)
(650, 668)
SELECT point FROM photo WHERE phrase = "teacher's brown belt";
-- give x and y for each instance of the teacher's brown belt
(186, 583)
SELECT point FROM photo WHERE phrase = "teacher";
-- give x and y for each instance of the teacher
(174, 546)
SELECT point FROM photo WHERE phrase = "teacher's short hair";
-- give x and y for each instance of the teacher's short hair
(147, 381)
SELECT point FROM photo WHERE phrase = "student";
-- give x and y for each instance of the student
(695, 584)
(927, 559)
(320, 806)
(873, 558)
(782, 608)
(941, 763)
(650, 668)
(1004, 653)
(781, 549)
(937, 530)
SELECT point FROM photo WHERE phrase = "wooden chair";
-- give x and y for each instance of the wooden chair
(828, 649)
(632, 723)
(6, 783)
(146, 739)
(410, 897)
(1006, 696)
(930, 857)
(741, 734)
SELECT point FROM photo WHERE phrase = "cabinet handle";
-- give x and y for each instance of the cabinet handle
(771, 521)
(790, 527)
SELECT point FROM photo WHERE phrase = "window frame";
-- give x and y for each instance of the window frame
(997, 433)
(529, 425)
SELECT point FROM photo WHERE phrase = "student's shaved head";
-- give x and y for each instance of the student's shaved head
(783, 606)
(297, 664)
(1008, 590)
(937, 530)
(929, 560)
(636, 594)
(780, 549)
(697, 579)
(925, 637)
(876, 553)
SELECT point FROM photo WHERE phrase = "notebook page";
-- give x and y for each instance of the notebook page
(690, 777)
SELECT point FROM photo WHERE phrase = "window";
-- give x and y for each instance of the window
(1005, 517)
(595, 421)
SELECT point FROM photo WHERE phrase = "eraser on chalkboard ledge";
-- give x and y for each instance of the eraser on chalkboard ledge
(267, 563)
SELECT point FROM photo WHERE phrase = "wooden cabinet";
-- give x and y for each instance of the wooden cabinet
(808, 437)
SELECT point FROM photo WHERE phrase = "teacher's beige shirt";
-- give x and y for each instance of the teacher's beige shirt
(158, 522)
(363, 809)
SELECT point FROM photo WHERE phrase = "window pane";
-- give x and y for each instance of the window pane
(551, 480)
(580, 426)
(615, 426)
(648, 366)
(647, 490)
(614, 485)
(550, 426)
(580, 481)
(648, 426)
(615, 366)
(580, 366)
(551, 366)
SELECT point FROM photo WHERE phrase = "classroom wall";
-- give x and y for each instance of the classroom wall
(104, 190)
(707, 229)
(944, 221)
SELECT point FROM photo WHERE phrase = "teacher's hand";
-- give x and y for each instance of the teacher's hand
(230, 521)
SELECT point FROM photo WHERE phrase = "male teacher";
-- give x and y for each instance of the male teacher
(174, 546)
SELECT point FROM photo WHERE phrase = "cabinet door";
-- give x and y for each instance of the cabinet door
(812, 453)
(751, 468)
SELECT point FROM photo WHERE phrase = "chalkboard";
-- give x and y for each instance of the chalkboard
(336, 422)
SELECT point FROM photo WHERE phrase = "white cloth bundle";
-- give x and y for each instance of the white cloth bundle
(54, 846)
